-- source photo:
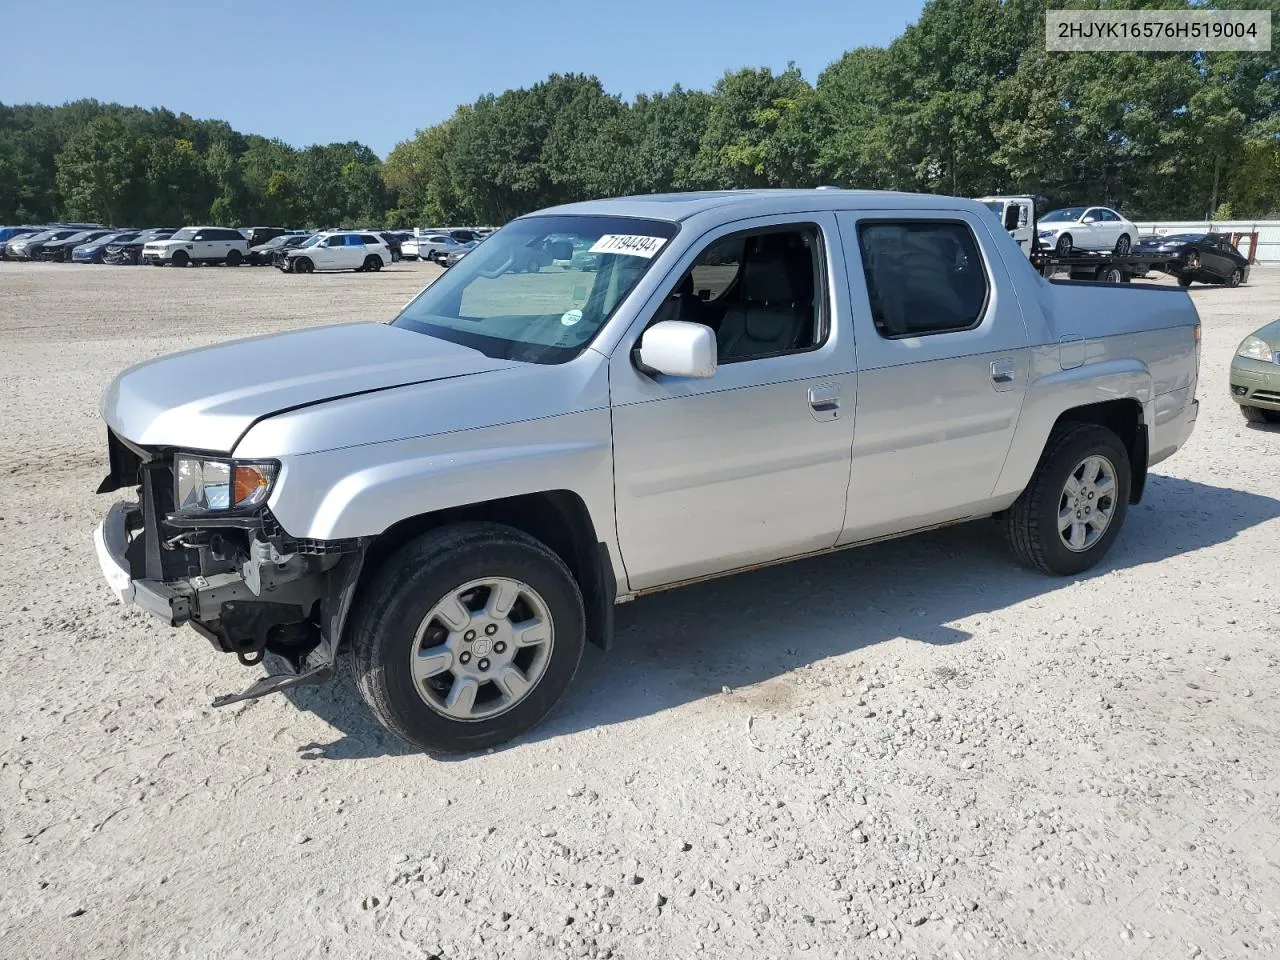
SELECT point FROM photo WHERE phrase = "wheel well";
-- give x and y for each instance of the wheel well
(557, 518)
(1124, 419)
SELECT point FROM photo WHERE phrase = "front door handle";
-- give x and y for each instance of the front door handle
(824, 401)
(1002, 371)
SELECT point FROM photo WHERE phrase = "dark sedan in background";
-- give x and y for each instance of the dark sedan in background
(128, 252)
(1202, 257)
(59, 251)
(263, 255)
(92, 251)
(28, 247)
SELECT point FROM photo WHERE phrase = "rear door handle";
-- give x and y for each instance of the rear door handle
(1002, 371)
(824, 401)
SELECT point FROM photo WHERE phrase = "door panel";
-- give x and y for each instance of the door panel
(936, 412)
(744, 467)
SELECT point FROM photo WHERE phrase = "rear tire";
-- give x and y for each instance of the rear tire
(180, 259)
(1063, 247)
(372, 263)
(397, 620)
(1057, 501)
(1123, 245)
(1258, 415)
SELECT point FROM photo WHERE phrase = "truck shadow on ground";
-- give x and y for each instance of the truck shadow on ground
(680, 646)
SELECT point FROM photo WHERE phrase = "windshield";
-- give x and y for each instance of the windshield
(995, 206)
(311, 241)
(540, 288)
(186, 233)
(1066, 213)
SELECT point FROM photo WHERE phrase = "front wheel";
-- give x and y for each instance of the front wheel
(1072, 510)
(1184, 280)
(180, 259)
(467, 637)
(1258, 415)
(303, 265)
(1237, 275)
(234, 258)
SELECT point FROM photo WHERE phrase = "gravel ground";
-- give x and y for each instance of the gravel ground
(911, 750)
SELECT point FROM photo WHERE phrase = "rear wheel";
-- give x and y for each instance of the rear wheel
(1110, 274)
(1063, 246)
(373, 263)
(180, 259)
(1123, 244)
(234, 258)
(1072, 510)
(1258, 415)
(467, 637)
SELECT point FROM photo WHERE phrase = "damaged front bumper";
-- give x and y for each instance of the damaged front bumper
(241, 582)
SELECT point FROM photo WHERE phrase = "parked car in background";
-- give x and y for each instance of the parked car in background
(338, 250)
(121, 252)
(453, 256)
(1206, 257)
(197, 245)
(59, 251)
(1255, 375)
(264, 254)
(28, 246)
(12, 233)
(91, 251)
(257, 236)
(435, 246)
(1086, 228)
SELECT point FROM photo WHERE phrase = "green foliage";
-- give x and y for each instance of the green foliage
(965, 102)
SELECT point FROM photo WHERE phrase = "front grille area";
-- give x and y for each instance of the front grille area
(1268, 396)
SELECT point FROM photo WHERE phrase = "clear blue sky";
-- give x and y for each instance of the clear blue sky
(379, 70)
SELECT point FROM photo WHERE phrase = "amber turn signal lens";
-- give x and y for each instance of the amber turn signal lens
(251, 483)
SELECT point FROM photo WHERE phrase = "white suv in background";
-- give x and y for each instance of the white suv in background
(432, 246)
(337, 250)
(198, 245)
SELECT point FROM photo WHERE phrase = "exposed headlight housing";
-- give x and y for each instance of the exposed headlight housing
(203, 485)
(1255, 348)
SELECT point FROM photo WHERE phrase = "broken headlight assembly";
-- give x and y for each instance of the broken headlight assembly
(203, 485)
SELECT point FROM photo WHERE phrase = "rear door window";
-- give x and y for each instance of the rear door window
(923, 277)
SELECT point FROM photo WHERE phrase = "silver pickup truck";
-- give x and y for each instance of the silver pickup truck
(613, 398)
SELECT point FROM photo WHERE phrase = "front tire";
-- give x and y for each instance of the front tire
(467, 637)
(180, 259)
(1237, 275)
(303, 265)
(234, 258)
(1258, 415)
(1072, 510)
(1184, 280)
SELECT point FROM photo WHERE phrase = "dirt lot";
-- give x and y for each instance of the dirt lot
(911, 750)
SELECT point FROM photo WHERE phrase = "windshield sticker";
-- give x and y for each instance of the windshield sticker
(571, 317)
(629, 244)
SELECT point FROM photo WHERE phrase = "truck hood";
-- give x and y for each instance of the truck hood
(207, 398)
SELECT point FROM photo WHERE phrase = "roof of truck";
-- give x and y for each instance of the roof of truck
(682, 206)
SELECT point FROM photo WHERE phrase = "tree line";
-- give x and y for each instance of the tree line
(966, 101)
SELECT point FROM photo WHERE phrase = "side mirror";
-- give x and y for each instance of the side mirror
(678, 348)
(1089, 220)
(1011, 217)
